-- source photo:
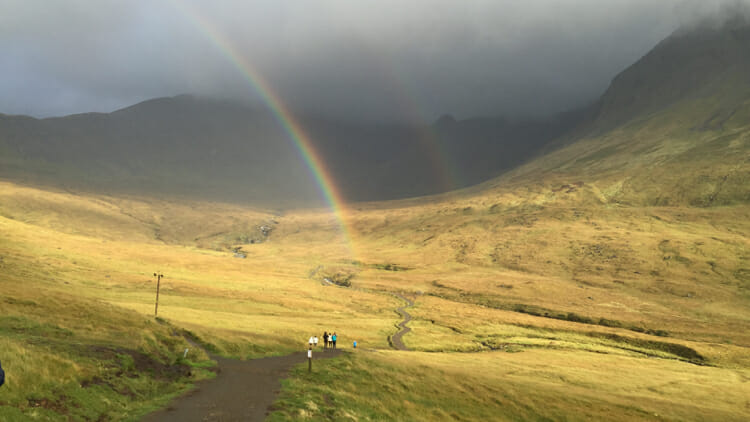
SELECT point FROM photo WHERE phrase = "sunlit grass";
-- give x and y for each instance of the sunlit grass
(514, 269)
(527, 385)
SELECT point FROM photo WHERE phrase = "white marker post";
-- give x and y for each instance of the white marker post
(309, 360)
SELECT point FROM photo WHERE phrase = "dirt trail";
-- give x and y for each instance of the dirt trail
(242, 390)
(396, 339)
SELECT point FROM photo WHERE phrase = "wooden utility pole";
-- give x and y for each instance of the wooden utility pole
(158, 283)
(309, 360)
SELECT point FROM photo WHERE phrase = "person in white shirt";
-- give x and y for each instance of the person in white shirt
(315, 341)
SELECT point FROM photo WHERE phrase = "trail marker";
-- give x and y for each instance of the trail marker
(158, 283)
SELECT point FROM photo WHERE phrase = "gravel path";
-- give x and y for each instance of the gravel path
(396, 339)
(242, 391)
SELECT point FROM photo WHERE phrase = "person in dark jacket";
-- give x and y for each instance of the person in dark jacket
(2, 375)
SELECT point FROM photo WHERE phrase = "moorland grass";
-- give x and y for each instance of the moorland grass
(530, 385)
(594, 241)
(68, 358)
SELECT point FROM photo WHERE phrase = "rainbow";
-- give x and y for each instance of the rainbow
(281, 113)
(442, 166)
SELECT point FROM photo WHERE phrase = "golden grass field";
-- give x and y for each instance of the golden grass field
(539, 304)
(607, 280)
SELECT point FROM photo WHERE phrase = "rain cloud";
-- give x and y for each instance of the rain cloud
(373, 60)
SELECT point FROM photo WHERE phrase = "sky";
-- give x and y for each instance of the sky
(378, 60)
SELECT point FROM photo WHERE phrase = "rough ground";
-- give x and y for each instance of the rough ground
(242, 391)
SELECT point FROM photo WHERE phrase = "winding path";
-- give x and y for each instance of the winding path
(396, 339)
(242, 390)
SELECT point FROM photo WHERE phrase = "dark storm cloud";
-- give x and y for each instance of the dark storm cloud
(375, 59)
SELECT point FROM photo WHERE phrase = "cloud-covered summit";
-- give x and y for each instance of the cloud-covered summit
(376, 60)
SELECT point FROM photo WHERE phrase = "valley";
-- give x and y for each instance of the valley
(599, 271)
(614, 292)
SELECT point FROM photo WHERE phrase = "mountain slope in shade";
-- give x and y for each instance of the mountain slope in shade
(207, 148)
(692, 63)
(180, 145)
(670, 129)
(673, 129)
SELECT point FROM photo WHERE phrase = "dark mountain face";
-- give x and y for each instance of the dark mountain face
(707, 61)
(180, 145)
(214, 149)
(671, 130)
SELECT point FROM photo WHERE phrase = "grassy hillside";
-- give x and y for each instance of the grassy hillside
(678, 156)
(629, 241)
(568, 292)
(536, 385)
(607, 280)
(78, 300)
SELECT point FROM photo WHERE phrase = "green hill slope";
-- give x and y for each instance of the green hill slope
(673, 129)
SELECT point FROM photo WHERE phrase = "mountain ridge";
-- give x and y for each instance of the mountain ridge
(219, 148)
(661, 115)
(675, 134)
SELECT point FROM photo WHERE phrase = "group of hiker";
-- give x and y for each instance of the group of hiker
(329, 340)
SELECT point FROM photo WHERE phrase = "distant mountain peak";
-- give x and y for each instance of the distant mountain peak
(445, 121)
(697, 61)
